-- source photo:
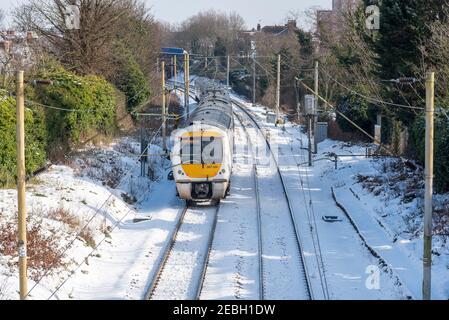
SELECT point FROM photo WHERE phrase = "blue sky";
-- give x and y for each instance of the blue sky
(266, 11)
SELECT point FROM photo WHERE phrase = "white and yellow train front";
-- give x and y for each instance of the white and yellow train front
(202, 162)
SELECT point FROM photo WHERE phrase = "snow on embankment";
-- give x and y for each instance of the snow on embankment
(71, 210)
(384, 198)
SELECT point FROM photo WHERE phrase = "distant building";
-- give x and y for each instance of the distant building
(288, 29)
(15, 47)
(329, 22)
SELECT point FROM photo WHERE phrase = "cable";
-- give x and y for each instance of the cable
(382, 146)
(353, 91)
(370, 98)
(105, 202)
(115, 225)
(61, 254)
(58, 108)
(314, 227)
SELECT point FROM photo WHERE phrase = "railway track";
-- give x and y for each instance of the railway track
(263, 278)
(259, 218)
(181, 271)
(308, 293)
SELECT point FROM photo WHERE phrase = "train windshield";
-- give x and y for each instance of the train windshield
(201, 150)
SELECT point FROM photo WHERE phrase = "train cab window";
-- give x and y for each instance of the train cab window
(202, 150)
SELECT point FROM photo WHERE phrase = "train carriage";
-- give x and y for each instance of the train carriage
(203, 146)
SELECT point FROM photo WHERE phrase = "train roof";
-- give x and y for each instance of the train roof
(214, 109)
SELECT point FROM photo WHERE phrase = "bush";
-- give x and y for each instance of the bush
(130, 79)
(35, 139)
(358, 110)
(92, 97)
(441, 156)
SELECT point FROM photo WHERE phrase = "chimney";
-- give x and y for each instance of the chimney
(31, 36)
(291, 24)
(259, 27)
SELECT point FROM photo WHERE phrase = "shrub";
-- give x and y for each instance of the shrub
(356, 109)
(441, 157)
(130, 79)
(43, 250)
(35, 139)
(92, 97)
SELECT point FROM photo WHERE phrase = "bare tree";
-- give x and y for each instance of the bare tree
(85, 49)
(200, 32)
(436, 50)
(2, 18)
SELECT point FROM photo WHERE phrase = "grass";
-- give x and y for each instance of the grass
(88, 237)
(43, 250)
(65, 216)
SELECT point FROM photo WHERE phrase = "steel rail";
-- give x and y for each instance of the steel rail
(292, 216)
(205, 264)
(167, 251)
(259, 215)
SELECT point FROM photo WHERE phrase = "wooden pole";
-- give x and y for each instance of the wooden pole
(175, 71)
(20, 136)
(164, 123)
(278, 88)
(315, 116)
(228, 71)
(428, 196)
(188, 83)
(254, 80)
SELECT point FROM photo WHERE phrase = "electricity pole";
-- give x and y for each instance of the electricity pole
(254, 80)
(428, 198)
(187, 83)
(278, 88)
(164, 124)
(228, 70)
(309, 134)
(315, 117)
(175, 71)
(20, 100)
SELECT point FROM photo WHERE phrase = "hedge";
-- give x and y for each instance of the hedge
(35, 139)
(91, 99)
(130, 78)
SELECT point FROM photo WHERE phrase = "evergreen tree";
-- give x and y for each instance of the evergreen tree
(404, 27)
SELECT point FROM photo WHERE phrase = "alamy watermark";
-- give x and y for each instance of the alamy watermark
(373, 280)
(72, 17)
(372, 20)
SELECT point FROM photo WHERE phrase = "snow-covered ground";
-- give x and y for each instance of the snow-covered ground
(375, 251)
(372, 252)
(92, 203)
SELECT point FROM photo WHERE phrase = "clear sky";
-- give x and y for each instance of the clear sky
(268, 12)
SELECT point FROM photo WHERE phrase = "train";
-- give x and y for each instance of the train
(203, 146)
